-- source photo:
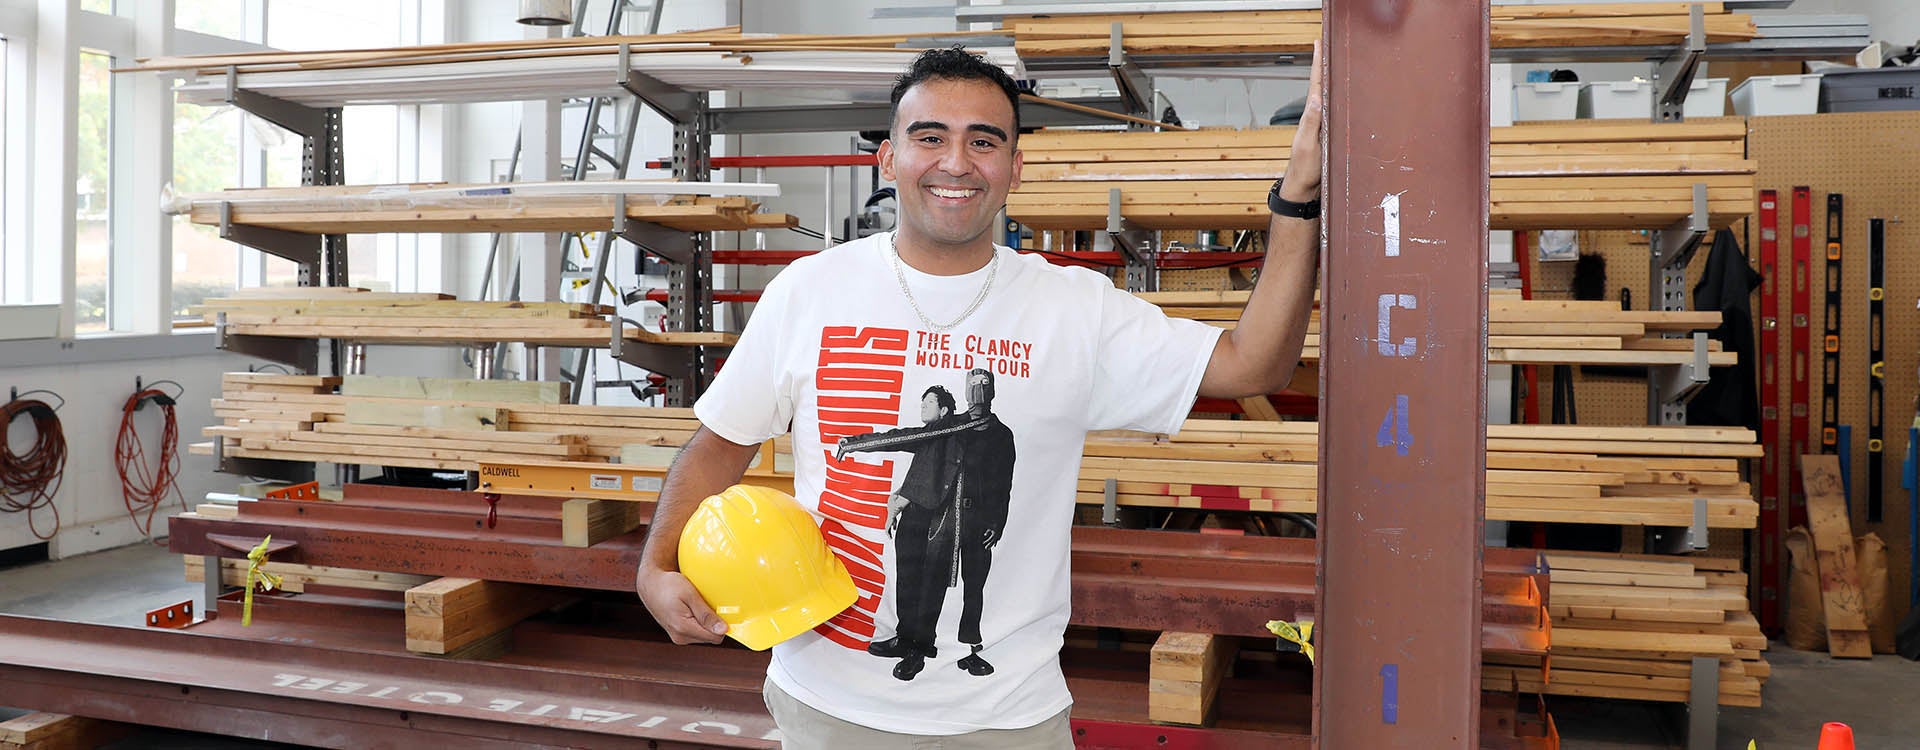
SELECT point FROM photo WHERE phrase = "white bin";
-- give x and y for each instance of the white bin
(1602, 100)
(1778, 95)
(1545, 101)
(1707, 98)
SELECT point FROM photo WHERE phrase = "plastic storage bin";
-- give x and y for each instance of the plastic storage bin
(1706, 97)
(1545, 101)
(1603, 100)
(1872, 90)
(1778, 95)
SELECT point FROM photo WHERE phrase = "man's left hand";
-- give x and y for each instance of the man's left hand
(1302, 182)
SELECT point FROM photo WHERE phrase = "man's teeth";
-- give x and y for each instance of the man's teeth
(947, 193)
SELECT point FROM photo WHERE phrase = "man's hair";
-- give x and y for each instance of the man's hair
(956, 64)
(941, 396)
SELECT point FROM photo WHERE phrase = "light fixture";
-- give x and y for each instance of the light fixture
(546, 12)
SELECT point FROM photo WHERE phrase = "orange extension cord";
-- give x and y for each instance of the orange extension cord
(144, 487)
(29, 480)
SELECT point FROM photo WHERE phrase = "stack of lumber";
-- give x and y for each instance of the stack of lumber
(494, 207)
(1626, 626)
(709, 60)
(1177, 33)
(425, 318)
(1590, 175)
(429, 423)
(1519, 331)
(1549, 473)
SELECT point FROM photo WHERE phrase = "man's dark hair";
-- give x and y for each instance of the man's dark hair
(942, 397)
(956, 64)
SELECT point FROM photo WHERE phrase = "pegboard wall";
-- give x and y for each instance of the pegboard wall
(1873, 159)
(1598, 399)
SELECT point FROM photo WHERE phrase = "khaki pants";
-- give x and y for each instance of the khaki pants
(808, 729)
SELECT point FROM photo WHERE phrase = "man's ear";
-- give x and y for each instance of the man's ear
(1019, 161)
(885, 158)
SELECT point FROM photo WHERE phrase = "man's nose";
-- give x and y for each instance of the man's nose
(954, 161)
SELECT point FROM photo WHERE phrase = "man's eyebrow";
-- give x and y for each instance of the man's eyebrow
(926, 125)
(988, 129)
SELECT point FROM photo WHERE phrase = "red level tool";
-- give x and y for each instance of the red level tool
(1769, 412)
(1799, 339)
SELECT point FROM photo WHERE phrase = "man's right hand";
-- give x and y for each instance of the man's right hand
(678, 607)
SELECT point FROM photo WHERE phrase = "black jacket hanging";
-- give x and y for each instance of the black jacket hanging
(1732, 394)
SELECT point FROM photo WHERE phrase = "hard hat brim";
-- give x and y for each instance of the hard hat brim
(765, 631)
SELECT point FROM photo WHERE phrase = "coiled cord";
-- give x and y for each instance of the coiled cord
(29, 480)
(145, 487)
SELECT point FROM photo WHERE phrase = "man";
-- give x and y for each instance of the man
(838, 339)
(954, 501)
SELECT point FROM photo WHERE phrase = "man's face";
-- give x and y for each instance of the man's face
(951, 154)
(929, 408)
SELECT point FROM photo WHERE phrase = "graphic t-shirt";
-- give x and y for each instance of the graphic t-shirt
(943, 466)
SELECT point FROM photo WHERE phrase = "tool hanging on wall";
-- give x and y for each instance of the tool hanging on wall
(1877, 363)
(1830, 344)
(1798, 351)
(1769, 336)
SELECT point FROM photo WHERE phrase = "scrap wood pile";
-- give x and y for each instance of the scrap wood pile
(1589, 175)
(1295, 31)
(431, 423)
(492, 207)
(407, 317)
(1627, 626)
(1647, 476)
(1519, 331)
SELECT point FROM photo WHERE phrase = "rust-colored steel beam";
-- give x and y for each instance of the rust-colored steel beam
(1142, 580)
(1403, 374)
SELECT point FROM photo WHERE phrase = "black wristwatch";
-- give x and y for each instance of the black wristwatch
(1283, 207)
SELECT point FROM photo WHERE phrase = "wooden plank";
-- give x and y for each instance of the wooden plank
(49, 731)
(1833, 551)
(452, 389)
(437, 416)
(1642, 642)
(1560, 576)
(584, 523)
(447, 615)
(1184, 675)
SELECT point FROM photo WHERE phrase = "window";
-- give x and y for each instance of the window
(206, 158)
(93, 193)
(4, 255)
(227, 18)
(97, 6)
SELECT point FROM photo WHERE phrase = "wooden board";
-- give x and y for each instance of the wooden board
(47, 731)
(447, 615)
(1184, 676)
(451, 389)
(1833, 550)
(584, 523)
(426, 415)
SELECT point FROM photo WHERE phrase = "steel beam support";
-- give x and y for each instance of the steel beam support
(1403, 421)
(1136, 89)
(1673, 75)
(302, 354)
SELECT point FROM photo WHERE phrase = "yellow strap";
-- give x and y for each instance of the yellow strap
(268, 581)
(1301, 635)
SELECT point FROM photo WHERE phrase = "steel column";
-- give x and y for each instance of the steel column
(1403, 434)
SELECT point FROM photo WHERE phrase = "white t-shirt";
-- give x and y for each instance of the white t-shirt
(834, 350)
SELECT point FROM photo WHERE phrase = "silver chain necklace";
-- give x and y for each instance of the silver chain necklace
(993, 267)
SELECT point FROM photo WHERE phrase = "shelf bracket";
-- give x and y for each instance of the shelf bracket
(1673, 75)
(305, 121)
(671, 361)
(1136, 89)
(1135, 245)
(674, 246)
(1676, 244)
(302, 354)
(265, 468)
(303, 249)
(672, 102)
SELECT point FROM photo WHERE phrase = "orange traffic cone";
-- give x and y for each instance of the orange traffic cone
(1836, 736)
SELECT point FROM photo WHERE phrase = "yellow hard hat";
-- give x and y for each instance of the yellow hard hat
(760, 561)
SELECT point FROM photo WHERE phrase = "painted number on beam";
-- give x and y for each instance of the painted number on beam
(1390, 207)
(1393, 428)
(1407, 345)
(1390, 693)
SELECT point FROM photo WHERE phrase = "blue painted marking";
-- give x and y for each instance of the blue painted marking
(1390, 693)
(1393, 428)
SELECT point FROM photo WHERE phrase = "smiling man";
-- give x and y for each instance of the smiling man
(964, 605)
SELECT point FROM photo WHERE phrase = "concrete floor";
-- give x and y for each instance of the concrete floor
(1876, 697)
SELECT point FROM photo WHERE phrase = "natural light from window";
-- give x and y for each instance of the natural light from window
(206, 158)
(93, 191)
